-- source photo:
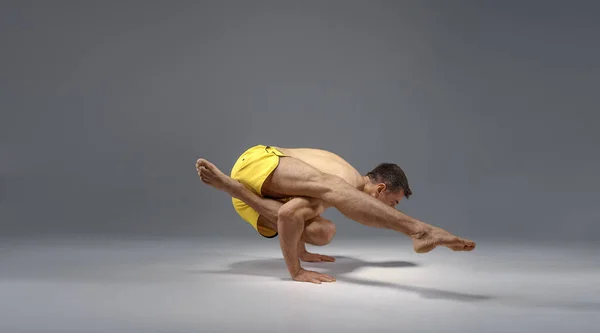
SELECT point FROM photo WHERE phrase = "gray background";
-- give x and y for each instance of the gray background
(487, 105)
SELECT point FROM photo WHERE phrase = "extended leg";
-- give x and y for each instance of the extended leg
(296, 178)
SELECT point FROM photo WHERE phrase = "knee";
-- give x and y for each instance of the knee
(324, 234)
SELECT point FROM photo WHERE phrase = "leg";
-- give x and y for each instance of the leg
(291, 218)
(296, 178)
(317, 231)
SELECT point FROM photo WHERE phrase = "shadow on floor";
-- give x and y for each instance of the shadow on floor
(339, 269)
(275, 268)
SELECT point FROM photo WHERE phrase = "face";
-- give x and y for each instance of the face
(380, 192)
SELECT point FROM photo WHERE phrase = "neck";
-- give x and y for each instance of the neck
(364, 182)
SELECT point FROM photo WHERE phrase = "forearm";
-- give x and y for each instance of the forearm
(291, 220)
(290, 232)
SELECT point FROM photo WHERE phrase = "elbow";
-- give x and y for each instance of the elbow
(289, 217)
(286, 213)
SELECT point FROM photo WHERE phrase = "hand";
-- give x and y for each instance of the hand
(313, 277)
(315, 257)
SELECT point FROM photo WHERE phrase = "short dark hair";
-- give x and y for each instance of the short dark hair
(392, 176)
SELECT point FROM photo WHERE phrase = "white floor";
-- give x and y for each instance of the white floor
(237, 285)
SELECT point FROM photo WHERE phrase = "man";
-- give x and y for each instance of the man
(283, 191)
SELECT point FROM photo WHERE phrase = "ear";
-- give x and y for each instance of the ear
(381, 187)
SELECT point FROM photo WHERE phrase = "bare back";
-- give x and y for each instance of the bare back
(327, 162)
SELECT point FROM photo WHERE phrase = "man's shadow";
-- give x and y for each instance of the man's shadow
(340, 269)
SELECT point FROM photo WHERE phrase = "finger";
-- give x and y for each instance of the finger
(316, 281)
(328, 258)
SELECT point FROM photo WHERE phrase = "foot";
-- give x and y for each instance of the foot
(440, 237)
(315, 257)
(212, 176)
(313, 277)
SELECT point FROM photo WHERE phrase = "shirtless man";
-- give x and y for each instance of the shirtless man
(283, 191)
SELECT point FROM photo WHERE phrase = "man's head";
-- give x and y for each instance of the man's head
(388, 183)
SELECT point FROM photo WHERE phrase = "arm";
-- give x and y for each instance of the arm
(290, 225)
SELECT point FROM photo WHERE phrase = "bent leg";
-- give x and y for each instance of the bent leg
(293, 177)
(318, 231)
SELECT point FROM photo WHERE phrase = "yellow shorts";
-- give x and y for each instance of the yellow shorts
(252, 168)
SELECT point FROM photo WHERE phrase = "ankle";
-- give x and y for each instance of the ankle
(421, 231)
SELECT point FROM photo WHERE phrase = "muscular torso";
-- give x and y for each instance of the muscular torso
(327, 162)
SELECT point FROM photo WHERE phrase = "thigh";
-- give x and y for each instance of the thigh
(308, 208)
(293, 177)
(266, 223)
(301, 208)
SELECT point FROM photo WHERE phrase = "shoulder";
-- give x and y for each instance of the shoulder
(347, 171)
(355, 178)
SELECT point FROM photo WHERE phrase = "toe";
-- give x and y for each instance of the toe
(207, 164)
(201, 162)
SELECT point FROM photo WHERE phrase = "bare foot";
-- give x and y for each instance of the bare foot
(440, 237)
(212, 176)
(315, 257)
(313, 277)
